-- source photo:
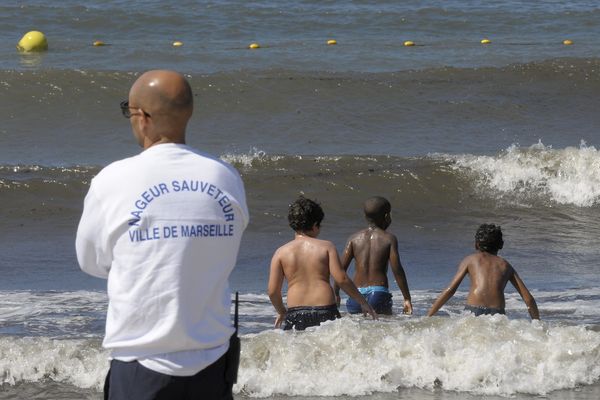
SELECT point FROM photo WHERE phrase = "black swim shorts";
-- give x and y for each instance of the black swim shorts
(481, 310)
(303, 317)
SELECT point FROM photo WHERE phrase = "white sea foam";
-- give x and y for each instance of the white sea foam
(564, 176)
(81, 363)
(483, 355)
(351, 356)
(249, 159)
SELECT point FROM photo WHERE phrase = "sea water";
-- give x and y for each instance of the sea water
(452, 132)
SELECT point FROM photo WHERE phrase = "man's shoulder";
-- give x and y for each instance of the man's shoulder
(116, 167)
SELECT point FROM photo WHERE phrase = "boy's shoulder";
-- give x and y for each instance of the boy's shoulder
(358, 234)
(480, 257)
(323, 243)
(284, 248)
(366, 233)
(386, 236)
(390, 235)
(289, 246)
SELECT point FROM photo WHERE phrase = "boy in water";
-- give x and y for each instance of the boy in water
(307, 263)
(489, 275)
(372, 248)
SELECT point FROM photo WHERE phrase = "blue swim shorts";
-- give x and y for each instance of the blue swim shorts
(379, 297)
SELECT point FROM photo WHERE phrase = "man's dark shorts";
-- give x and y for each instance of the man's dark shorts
(133, 381)
(301, 318)
(378, 297)
(481, 310)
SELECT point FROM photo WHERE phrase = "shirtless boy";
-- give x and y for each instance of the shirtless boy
(489, 275)
(372, 248)
(307, 263)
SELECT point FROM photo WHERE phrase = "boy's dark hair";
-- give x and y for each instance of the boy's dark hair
(304, 213)
(376, 207)
(489, 238)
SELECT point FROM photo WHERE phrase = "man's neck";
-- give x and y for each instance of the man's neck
(163, 140)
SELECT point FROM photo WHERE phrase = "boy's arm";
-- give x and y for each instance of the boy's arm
(463, 268)
(532, 308)
(346, 260)
(400, 276)
(341, 278)
(274, 289)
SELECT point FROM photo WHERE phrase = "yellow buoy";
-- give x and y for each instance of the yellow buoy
(409, 43)
(486, 41)
(254, 46)
(33, 41)
(331, 42)
(177, 43)
(98, 43)
(567, 42)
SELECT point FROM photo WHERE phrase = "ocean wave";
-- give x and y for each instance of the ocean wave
(480, 355)
(252, 158)
(352, 356)
(537, 175)
(52, 314)
(81, 363)
(563, 176)
(69, 86)
(534, 175)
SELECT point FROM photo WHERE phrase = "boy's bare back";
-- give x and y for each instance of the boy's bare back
(489, 275)
(305, 263)
(371, 250)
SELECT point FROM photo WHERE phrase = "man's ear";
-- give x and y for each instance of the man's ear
(144, 120)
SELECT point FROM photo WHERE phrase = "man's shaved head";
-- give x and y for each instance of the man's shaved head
(166, 96)
(162, 90)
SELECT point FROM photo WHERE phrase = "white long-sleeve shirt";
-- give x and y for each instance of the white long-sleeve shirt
(164, 227)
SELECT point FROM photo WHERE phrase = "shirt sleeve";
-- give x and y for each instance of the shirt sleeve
(93, 252)
(242, 202)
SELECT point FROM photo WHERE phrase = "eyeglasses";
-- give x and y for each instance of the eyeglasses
(126, 110)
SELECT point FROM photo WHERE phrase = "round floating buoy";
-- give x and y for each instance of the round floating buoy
(331, 42)
(567, 42)
(409, 43)
(33, 41)
(177, 43)
(486, 41)
(98, 43)
(254, 46)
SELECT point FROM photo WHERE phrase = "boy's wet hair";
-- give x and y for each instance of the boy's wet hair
(304, 213)
(489, 238)
(376, 207)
